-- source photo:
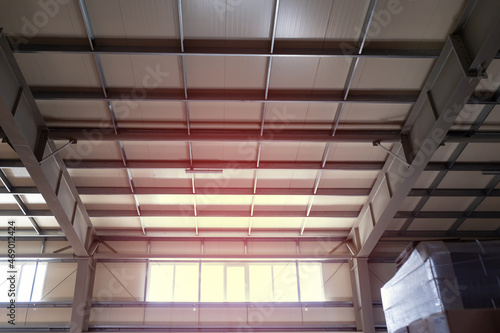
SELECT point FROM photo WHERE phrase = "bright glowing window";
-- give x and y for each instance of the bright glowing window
(261, 283)
(234, 282)
(212, 283)
(311, 282)
(25, 288)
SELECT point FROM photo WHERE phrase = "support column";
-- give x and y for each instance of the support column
(82, 298)
(362, 295)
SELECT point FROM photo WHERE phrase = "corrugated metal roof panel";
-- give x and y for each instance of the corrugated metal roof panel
(58, 69)
(425, 20)
(146, 72)
(399, 74)
(30, 18)
(303, 19)
(134, 18)
(346, 19)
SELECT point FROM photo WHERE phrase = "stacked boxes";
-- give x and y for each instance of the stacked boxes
(438, 280)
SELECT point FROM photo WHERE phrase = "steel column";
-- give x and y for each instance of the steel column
(82, 298)
(362, 298)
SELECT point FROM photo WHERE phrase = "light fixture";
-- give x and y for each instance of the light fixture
(204, 171)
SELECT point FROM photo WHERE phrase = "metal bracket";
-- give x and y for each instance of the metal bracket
(378, 144)
(72, 141)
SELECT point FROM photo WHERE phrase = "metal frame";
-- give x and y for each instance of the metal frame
(27, 133)
(453, 79)
(229, 95)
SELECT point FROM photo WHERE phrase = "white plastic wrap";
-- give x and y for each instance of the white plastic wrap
(424, 285)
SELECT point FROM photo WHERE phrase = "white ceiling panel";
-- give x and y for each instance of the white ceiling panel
(398, 74)
(465, 179)
(180, 222)
(99, 177)
(489, 204)
(116, 222)
(448, 204)
(47, 222)
(21, 221)
(223, 223)
(431, 224)
(380, 115)
(226, 72)
(144, 72)
(347, 179)
(329, 223)
(31, 18)
(90, 150)
(424, 20)
(357, 152)
(310, 151)
(331, 73)
(74, 112)
(337, 202)
(233, 19)
(149, 111)
(480, 152)
(276, 222)
(303, 179)
(134, 18)
(279, 151)
(346, 18)
(156, 150)
(480, 224)
(303, 19)
(58, 69)
(108, 202)
(303, 75)
(165, 200)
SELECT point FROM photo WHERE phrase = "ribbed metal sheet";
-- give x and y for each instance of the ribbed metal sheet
(69, 70)
(233, 19)
(144, 72)
(25, 19)
(303, 19)
(399, 74)
(415, 21)
(134, 18)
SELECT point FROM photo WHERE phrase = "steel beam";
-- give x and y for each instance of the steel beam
(362, 299)
(244, 165)
(122, 46)
(82, 298)
(175, 211)
(418, 192)
(229, 95)
(27, 133)
(455, 75)
(367, 136)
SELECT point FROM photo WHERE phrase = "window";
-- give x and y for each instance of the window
(311, 282)
(26, 290)
(172, 282)
(234, 282)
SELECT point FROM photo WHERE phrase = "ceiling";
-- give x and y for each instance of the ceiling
(248, 118)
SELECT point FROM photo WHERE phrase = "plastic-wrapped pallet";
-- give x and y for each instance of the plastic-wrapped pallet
(438, 277)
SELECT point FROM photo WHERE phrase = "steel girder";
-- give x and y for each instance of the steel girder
(27, 134)
(456, 73)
